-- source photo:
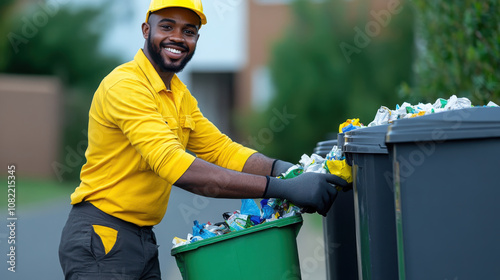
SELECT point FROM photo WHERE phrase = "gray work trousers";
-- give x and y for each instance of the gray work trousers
(130, 253)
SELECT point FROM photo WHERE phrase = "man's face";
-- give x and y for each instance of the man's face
(172, 37)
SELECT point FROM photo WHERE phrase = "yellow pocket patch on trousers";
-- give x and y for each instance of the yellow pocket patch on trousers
(108, 236)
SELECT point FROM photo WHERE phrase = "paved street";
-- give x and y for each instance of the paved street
(38, 230)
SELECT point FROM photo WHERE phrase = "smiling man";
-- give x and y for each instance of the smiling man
(171, 55)
(141, 122)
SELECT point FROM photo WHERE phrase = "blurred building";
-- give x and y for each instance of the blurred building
(228, 74)
(30, 124)
(267, 20)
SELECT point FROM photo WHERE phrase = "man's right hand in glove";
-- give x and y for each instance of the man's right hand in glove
(312, 191)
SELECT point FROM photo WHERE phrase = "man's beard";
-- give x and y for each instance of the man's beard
(155, 53)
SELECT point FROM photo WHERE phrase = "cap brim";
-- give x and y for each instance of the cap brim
(203, 18)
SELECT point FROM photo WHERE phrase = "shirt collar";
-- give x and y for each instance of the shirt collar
(176, 85)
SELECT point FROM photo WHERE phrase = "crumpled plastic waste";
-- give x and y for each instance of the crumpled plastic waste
(276, 208)
(349, 125)
(249, 215)
(314, 163)
(340, 168)
(179, 241)
(267, 207)
(273, 208)
(491, 104)
(335, 153)
(202, 230)
(237, 221)
(334, 163)
(190, 238)
(292, 172)
(385, 116)
(249, 207)
(335, 160)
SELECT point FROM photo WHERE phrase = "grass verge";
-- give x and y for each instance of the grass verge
(31, 191)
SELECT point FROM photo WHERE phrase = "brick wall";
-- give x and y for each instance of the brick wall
(30, 124)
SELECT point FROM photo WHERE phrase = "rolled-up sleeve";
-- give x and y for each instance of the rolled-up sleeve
(133, 109)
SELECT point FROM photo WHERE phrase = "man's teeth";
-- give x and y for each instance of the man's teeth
(173, 50)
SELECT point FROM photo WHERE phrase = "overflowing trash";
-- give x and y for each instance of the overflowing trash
(248, 216)
(334, 163)
(406, 110)
(385, 115)
(350, 124)
(270, 209)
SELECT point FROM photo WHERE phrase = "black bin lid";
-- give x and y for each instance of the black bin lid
(367, 140)
(328, 143)
(469, 123)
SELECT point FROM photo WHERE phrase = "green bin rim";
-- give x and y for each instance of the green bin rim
(283, 222)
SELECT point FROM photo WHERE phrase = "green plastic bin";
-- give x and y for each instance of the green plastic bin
(266, 251)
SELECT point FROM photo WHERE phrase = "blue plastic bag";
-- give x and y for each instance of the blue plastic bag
(199, 230)
(249, 207)
(267, 210)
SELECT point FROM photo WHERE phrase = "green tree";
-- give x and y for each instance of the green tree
(6, 7)
(66, 45)
(458, 51)
(330, 66)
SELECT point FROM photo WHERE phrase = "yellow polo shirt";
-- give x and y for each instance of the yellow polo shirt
(138, 135)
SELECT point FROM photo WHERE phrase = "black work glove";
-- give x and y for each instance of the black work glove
(279, 167)
(312, 191)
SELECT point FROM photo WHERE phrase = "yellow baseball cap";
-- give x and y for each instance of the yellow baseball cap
(193, 5)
